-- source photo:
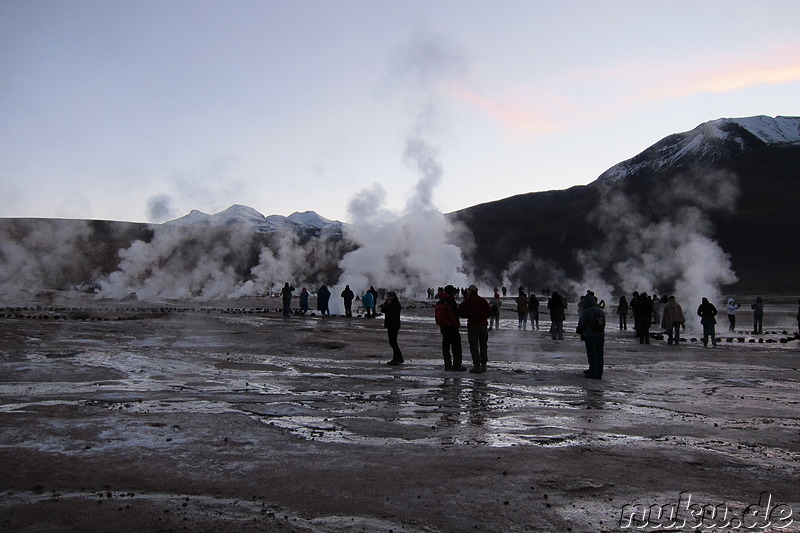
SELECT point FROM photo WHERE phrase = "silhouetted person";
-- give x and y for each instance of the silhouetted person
(304, 294)
(557, 306)
(374, 300)
(798, 316)
(446, 314)
(347, 296)
(622, 311)
(642, 314)
(286, 295)
(758, 315)
(323, 299)
(522, 310)
(391, 321)
(591, 328)
(707, 312)
(495, 304)
(533, 310)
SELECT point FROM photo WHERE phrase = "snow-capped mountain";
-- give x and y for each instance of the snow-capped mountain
(708, 143)
(741, 173)
(308, 221)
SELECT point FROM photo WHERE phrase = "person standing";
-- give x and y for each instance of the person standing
(476, 310)
(391, 321)
(533, 310)
(672, 319)
(622, 311)
(347, 296)
(323, 299)
(798, 316)
(591, 328)
(304, 294)
(642, 314)
(368, 301)
(446, 314)
(731, 308)
(495, 304)
(522, 310)
(557, 306)
(758, 316)
(286, 295)
(707, 312)
(374, 294)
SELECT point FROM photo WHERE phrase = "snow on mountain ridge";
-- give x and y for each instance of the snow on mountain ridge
(242, 214)
(310, 218)
(778, 130)
(703, 144)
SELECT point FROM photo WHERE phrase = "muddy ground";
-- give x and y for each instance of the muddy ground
(225, 416)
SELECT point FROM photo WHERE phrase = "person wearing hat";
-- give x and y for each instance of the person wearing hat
(476, 310)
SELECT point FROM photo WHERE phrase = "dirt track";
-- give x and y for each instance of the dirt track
(215, 418)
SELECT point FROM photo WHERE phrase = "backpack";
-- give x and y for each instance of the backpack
(599, 324)
(443, 314)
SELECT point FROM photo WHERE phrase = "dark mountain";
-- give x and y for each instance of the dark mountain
(735, 181)
(690, 211)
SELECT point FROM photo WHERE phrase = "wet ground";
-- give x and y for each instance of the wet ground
(228, 417)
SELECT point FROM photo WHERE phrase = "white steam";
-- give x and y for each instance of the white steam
(415, 251)
(41, 254)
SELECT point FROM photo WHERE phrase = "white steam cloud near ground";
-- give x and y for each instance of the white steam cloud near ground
(415, 249)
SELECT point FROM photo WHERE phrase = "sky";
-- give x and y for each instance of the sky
(145, 110)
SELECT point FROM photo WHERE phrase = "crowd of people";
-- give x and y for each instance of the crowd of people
(482, 316)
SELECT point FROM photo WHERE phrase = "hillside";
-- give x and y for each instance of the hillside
(734, 182)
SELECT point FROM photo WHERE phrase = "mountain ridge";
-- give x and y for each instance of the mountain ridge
(722, 192)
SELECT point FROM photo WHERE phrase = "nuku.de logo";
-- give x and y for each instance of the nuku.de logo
(684, 514)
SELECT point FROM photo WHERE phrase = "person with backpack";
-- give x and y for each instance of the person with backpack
(591, 328)
(446, 314)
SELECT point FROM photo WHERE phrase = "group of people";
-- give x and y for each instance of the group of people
(667, 313)
(448, 313)
(482, 315)
(369, 300)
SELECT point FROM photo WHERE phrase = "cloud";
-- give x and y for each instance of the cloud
(535, 109)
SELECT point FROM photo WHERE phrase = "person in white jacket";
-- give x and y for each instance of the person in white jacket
(731, 308)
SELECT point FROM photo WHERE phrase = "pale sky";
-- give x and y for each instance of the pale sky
(111, 108)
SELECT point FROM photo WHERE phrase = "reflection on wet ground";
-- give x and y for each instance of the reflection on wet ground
(320, 380)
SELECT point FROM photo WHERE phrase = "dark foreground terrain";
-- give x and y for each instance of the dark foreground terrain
(223, 417)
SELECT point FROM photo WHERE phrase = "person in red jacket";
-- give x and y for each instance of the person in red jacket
(446, 313)
(476, 310)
